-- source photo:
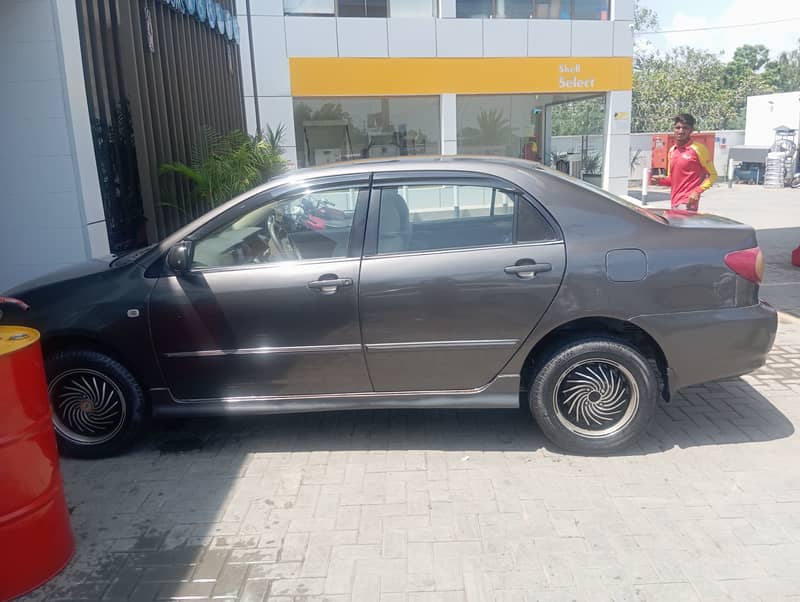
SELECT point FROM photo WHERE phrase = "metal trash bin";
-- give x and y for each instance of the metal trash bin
(36, 540)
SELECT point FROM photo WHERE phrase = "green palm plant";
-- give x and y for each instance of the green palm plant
(223, 166)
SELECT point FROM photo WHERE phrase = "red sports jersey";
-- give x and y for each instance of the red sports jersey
(690, 168)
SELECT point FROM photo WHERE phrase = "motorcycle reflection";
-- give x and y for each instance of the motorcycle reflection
(315, 213)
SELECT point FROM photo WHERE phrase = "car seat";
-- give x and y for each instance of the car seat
(394, 226)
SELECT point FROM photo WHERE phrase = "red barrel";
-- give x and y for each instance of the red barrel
(35, 536)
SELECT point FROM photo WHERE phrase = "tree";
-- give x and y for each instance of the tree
(223, 166)
(696, 81)
(747, 60)
(579, 117)
(783, 74)
(687, 80)
(644, 20)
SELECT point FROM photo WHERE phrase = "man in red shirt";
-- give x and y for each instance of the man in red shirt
(690, 170)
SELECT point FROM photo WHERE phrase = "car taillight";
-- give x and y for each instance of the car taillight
(748, 263)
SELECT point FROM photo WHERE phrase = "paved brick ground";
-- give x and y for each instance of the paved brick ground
(445, 506)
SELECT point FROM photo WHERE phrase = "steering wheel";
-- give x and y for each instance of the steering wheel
(283, 244)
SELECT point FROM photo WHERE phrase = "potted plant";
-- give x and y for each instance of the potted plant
(592, 169)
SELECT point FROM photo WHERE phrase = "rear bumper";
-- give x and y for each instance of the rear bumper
(701, 346)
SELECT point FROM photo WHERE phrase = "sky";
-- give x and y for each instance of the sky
(712, 13)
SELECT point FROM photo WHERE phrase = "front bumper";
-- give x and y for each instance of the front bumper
(701, 346)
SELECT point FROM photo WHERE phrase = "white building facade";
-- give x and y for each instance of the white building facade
(371, 78)
(767, 112)
(51, 212)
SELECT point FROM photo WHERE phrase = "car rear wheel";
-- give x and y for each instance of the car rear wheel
(594, 396)
(98, 407)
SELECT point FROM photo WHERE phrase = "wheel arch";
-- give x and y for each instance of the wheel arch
(581, 328)
(74, 341)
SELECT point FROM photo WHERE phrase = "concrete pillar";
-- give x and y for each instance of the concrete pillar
(84, 161)
(449, 125)
(616, 159)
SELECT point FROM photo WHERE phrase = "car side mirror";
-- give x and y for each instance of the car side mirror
(179, 257)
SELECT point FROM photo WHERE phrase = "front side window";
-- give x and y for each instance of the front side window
(308, 225)
(450, 216)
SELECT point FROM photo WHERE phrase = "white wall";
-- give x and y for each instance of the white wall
(724, 140)
(765, 113)
(44, 221)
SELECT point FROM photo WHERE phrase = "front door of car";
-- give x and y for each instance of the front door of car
(269, 305)
(457, 272)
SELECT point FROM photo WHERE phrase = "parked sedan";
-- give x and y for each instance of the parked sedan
(426, 283)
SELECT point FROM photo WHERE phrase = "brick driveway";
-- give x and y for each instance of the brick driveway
(451, 505)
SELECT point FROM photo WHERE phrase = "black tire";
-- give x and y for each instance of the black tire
(594, 396)
(98, 407)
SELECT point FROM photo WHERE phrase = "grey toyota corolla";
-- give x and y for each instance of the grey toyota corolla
(425, 283)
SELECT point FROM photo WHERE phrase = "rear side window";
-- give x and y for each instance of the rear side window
(446, 216)
(531, 225)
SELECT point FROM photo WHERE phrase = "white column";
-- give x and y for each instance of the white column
(447, 9)
(616, 161)
(88, 181)
(546, 145)
(449, 126)
(622, 10)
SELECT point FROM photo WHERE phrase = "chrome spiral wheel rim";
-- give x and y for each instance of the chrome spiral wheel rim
(88, 407)
(596, 398)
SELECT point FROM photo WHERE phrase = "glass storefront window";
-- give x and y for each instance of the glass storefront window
(362, 8)
(340, 129)
(595, 10)
(412, 8)
(496, 124)
(474, 9)
(562, 130)
(309, 7)
(341, 8)
(537, 9)
(514, 9)
(552, 9)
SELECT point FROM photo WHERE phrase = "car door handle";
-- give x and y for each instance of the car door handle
(328, 286)
(527, 270)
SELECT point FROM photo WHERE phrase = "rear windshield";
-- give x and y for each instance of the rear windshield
(607, 195)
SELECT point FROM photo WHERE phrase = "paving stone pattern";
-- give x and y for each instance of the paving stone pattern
(449, 506)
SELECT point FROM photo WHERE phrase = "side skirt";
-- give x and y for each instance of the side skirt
(502, 392)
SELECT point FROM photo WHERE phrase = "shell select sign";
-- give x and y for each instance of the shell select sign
(416, 76)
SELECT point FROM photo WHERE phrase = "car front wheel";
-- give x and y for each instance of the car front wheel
(594, 396)
(97, 405)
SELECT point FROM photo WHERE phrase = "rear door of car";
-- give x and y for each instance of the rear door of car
(458, 269)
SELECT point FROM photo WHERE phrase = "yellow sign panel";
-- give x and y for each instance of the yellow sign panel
(418, 76)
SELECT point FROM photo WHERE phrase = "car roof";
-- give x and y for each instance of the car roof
(422, 163)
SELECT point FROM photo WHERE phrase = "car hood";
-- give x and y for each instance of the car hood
(78, 270)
